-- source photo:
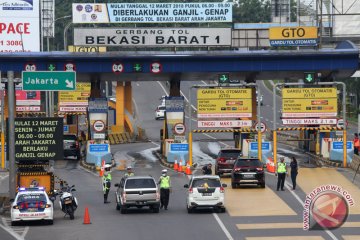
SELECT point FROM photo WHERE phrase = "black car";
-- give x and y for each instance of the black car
(71, 146)
(248, 171)
(225, 160)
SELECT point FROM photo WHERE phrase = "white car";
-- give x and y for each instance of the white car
(160, 112)
(205, 191)
(32, 204)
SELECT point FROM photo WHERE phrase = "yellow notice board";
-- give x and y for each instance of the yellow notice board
(224, 103)
(309, 102)
(225, 93)
(86, 49)
(282, 33)
(78, 97)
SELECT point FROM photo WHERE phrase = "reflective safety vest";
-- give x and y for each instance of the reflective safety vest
(165, 182)
(129, 174)
(356, 142)
(281, 167)
(106, 181)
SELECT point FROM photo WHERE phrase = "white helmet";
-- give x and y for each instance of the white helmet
(107, 166)
(164, 171)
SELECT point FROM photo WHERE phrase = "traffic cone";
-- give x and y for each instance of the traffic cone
(180, 167)
(101, 173)
(188, 170)
(176, 166)
(87, 216)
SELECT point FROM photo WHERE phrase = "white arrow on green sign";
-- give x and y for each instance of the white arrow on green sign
(49, 81)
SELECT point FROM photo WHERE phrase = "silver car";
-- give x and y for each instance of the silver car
(137, 191)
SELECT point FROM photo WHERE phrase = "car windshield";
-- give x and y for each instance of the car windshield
(206, 182)
(230, 153)
(31, 197)
(162, 108)
(248, 163)
(140, 183)
(70, 137)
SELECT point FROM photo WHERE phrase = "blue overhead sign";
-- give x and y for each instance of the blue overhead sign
(340, 145)
(99, 147)
(179, 147)
(254, 146)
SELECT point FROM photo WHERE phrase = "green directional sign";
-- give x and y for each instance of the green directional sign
(137, 67)
(51, 66)
(309, 77)
(223, 78)
(49, 81)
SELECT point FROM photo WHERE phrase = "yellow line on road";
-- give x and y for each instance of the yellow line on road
(253, 226)
(285, 225)
(350, 237)
(254, 202)
(286, 238)
(310, 178)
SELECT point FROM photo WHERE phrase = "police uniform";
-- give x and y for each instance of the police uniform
(281, 172)
(165, 186)
(106, 182)
(129, 174)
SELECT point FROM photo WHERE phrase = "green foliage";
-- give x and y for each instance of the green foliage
(252, 11)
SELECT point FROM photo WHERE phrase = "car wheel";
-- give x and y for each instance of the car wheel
(156, 209)
(233, 185)
(123, 210)
(50, 222)
(13, 223)
(117, 206)
(190, 210)
(262, 185)
(223, 210)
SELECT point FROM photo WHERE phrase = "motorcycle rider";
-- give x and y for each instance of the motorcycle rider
(106, 181)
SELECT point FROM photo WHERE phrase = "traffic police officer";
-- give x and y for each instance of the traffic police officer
(129, 172)
(281, 172)
(106, 182)
(165, 186)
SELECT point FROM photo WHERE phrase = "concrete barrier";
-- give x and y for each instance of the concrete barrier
(355, 162)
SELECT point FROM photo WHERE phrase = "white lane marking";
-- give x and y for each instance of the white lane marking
(193, 107)
(11, 231)
(155, 143)
(162, 88)
(222, 226)
(288, 186)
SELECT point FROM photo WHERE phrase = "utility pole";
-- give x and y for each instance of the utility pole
(11, 130)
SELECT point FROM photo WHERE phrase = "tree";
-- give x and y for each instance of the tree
(252, 11)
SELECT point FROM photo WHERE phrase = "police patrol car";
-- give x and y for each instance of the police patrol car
(32, 204)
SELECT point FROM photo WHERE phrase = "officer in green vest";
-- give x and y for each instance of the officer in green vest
(281, 172)
(106, 181)
(129, 172)
(165, 186)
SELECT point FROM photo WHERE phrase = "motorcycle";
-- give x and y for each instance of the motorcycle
(68, 202)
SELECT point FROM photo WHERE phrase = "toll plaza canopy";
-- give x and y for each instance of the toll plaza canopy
(340, 62)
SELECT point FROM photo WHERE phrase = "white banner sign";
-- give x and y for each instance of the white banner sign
(323, 114)
(151, 12)
(309, 121)
(28, 108)
(19, 26)
(72, 109)
(224, 124)
(152, 37)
